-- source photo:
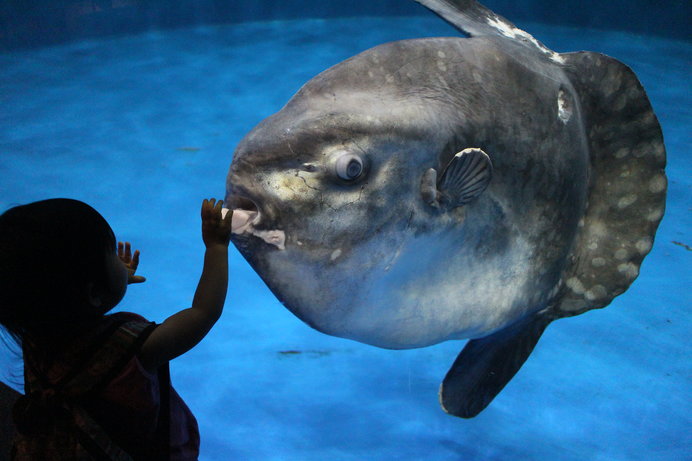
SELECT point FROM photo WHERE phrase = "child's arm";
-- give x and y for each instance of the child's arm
(182, 331)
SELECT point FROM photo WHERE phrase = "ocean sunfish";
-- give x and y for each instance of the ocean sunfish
(453, 188)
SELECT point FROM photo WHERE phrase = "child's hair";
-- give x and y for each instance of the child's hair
(49, 253)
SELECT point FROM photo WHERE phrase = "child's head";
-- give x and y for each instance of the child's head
(55, 257)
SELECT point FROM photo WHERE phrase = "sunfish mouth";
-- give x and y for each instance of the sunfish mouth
(244, 221)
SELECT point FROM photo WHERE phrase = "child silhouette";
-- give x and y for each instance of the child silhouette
(97, 384)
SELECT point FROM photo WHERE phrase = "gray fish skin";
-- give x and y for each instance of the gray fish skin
(379, 259)
(360, 255)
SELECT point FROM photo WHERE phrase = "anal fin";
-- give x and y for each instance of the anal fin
(486, 365)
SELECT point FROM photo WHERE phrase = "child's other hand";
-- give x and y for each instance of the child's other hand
(215, 229)
(131, 262)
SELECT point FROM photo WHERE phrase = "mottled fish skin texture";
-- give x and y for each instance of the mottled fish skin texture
(477, 187)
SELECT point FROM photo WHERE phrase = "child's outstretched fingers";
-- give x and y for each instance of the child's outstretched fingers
(215, 229)
(131, 262)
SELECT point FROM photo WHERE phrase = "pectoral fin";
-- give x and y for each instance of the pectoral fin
(465, 177)
(486, 365)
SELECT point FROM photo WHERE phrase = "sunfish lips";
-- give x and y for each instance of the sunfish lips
(243, 223)
(242, 219)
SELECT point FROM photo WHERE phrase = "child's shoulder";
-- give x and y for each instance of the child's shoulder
(93, 360)
(123, 325)
(120, 317)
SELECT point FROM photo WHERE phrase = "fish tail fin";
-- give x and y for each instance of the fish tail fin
(627, 184)
(486, 365)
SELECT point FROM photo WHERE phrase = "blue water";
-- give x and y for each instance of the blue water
(143, 127)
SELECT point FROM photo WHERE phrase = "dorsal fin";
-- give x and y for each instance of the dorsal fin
(627, 189)
(474, 19)
(468, 16)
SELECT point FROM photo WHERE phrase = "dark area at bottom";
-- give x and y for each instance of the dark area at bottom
(7, 398)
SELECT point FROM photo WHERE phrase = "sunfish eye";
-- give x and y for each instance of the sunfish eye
(348, 167)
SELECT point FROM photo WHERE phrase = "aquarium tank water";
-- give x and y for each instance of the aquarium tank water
(136, 107)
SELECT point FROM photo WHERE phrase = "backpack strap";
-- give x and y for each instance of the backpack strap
(106, 361)
(163, 428)
(94, 440)
(104, 356)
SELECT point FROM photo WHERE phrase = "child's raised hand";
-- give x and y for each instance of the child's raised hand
(183, 330)
(130, 261)
(216, 230)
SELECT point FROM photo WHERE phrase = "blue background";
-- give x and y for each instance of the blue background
(39, 22)
(140, 120)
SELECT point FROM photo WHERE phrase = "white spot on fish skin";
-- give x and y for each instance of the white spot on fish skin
(564, 107)
(272, 237)
(621, 254)
(644, 245)
(441, 66)
(598, 262)
(598, 229)
(555, 290)
(620, 103)
(593, 246)
(645, 149)
(629, 270)
(626, 201)
(648, 117)
(441, 54)
(503, 28)
(622, 153)
(477, 77)
(441, 80)
(512, 32)
(596, 292)
(335, 254)
(655, 215)
(575, 285)
(658, 184)
(639, 153)
(555, 57)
